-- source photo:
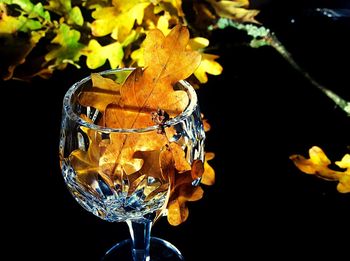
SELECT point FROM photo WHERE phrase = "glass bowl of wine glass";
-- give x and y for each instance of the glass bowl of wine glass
(121, 162)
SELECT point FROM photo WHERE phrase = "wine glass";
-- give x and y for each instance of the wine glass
(106, 181)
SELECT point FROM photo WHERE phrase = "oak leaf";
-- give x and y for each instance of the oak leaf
(103, 92)
(147, 161)
(208, 63)
(167, 61)
(183, 192)
(208, 177)
(85, 162)
(119, 19)
(10, 24)
(64, 8)
(318, 164)
(32, 10)
(236, 10)
(68, 49)
(97, 54)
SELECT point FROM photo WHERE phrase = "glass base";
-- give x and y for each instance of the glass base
(160, 250)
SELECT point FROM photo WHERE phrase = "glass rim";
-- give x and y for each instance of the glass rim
(67, 106)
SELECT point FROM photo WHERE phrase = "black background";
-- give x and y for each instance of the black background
(261, 112)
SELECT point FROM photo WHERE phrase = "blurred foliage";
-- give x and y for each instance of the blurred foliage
(39, 37)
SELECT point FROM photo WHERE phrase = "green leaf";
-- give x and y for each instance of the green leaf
(59, 6)
(26, 5)
(69, 47)
(30, 9)
(40, 11)
(27, 25)
(64, 8)
(75, 16)
(10, 24)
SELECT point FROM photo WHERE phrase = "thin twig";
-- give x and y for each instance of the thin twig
(263, 36)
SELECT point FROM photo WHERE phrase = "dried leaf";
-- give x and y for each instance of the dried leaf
(103, 92)
(181, 164)
(174, 215)
(206, 124)
(197, 169)
(318, 165)
(177, 210)
(122, 147)
(130, 161)
(151, 163)
(104, 83)
(150, 89)
(85, 163)
(208, 177)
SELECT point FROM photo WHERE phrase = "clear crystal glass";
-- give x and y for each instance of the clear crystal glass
(137, 198)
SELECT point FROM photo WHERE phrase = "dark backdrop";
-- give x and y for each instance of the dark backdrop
(261, 112)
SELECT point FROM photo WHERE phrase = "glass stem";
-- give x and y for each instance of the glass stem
(140, 231)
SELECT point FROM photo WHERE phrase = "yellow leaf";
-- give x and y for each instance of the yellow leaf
(345, 162)
(197, 169)
(69, 48)
(177, 4)
(97, 54)
(181, 164)
(8, 24)
(103, 92)
(198, 43)
(167, 61)
(208, 177)
(119, 19)
(147, 160)
(174, 213)
(235, 10)
(163, 23)
(318, 164)
(208, 63)
(344, 181)
(137, 56)
(85, 163)
(177, 209)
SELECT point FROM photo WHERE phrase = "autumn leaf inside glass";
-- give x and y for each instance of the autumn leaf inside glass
(141, 137)
(129, 104)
